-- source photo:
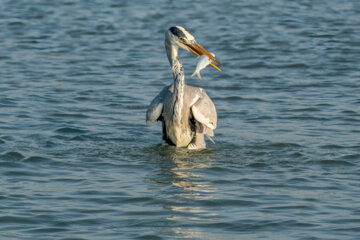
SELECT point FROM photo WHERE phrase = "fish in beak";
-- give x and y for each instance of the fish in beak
(198, 50)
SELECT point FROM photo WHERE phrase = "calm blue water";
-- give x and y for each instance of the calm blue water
(77, 162)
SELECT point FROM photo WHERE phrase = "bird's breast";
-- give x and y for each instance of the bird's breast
(179, 133)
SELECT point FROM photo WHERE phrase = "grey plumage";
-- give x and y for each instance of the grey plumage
(187, 113)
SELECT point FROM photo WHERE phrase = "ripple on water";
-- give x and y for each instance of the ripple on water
(77, 163)
(276, 145)
(12, 156)
(70, 130)
(69, 115)
(36, 159)
(332, 163)
(332, 146)
(351, 157)
(16, 219)
(48, 230)
(24, 173)
(258, 165)
(223, 202)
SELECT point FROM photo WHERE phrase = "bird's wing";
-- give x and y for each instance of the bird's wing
(204, 112)
(155, 108)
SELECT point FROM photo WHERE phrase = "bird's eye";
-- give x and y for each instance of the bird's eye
(182, 39)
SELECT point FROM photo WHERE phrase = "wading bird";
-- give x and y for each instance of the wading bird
(187, 113)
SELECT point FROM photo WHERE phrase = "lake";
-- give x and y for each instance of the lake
(78, 162)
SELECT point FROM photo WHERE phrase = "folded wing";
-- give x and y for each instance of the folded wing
(154, 110)
(204, 112)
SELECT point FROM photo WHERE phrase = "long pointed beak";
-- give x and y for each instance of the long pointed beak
(198, 50)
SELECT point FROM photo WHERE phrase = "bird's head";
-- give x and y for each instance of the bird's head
(181, 38)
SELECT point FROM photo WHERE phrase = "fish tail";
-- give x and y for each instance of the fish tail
(193, 74)
(199, 76)
(210, 138)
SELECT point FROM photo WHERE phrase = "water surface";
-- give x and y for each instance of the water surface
(78, 162)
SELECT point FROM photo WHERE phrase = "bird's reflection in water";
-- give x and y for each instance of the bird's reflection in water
(185, 190)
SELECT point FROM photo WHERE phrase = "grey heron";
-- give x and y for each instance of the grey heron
(187, 113)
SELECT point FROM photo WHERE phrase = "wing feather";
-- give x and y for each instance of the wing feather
(155, 109)
(204, 112)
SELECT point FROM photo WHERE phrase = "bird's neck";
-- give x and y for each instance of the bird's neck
(172, 51)
(178, 74)
(179, 84)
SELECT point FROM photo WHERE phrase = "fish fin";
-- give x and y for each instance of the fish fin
(210, 138)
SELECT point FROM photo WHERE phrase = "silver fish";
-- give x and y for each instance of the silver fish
(202, 63)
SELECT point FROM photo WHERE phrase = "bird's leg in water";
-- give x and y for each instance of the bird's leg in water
(198, 142)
